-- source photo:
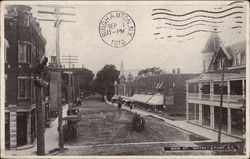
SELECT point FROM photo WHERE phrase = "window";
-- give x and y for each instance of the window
(236, 87)
(21, 88)
(237, 59)
(21, 52)
(26, 21)
(205, 88)
(193, 88)
(204, 65)
(217, 88)
(24, 87)
(219, 64)
(24, 53)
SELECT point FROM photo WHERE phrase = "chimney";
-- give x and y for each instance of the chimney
(82, 66)
(73, 65)
(178, 70)
(173, 70)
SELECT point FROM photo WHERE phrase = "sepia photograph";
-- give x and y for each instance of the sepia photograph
(125, 78)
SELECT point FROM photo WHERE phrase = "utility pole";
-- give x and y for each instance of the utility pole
(57, 21)
(221, 99)
(40, 110)
(69, 59)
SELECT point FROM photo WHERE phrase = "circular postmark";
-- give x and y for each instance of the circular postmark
(117, 29)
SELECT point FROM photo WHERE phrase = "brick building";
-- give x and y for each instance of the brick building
(26, 46)
(154, 91)
(203, 92)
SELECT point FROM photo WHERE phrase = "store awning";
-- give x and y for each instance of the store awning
(137, 97)
(114, 97)
(146, 98)
(156, 100)
(142, 98)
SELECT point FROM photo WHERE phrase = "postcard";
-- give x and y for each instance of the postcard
(125, 79)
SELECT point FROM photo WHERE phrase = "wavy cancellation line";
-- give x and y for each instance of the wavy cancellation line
(163, 9)
(197, 11)
(187, 39)
(235, 27)
(199, 24)
(181, 25)
(234, 2)
(197, 16)
(196, 31)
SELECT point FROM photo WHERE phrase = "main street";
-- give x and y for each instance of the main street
(106, 130)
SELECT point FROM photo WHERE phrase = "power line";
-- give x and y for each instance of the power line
(57, 21)
(70, 60)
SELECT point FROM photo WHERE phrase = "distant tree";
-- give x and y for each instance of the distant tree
(82, 80)
(105, 78)
(85, 79)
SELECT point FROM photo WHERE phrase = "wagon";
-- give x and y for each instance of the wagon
(70, 127)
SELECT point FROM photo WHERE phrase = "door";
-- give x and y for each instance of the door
(21, 129)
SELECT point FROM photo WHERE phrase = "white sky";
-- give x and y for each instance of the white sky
(82, 38)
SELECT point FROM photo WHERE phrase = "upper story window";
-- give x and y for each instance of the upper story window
(204, 65)
(26, 19)
(24, 87)
(205, 88)
(24, 52)
(237, 59)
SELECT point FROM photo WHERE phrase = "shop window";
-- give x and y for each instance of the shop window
(217, 88)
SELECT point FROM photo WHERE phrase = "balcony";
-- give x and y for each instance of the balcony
(215, 97)
(193, 95)
(205, 96)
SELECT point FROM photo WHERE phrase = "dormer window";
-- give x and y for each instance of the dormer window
(237, 59)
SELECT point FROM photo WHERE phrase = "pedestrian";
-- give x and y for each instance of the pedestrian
(131, 105)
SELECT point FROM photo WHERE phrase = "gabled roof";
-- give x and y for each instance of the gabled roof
(122, 77)
(213, 43)
(239, 47)
(222, 50)
(229, 51)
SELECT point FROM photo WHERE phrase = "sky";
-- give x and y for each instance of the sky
(150, 46)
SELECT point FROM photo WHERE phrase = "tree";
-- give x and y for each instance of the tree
(105, 78)
(81, 81)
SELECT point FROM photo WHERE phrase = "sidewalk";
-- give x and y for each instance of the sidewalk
(51, 140)
(183, 125)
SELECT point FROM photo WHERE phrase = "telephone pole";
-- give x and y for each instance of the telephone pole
(70, 60)
(57, 21)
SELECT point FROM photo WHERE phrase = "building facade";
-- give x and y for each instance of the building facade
(26, 46)
(154, 91)
(204, 93)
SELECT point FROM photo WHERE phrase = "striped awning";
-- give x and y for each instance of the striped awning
(156, 100)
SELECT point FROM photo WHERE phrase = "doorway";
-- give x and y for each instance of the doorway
(21, 129)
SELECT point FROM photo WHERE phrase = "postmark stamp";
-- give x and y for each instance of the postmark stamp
(117, 29)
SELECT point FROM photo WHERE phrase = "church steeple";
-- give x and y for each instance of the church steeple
(122, 73)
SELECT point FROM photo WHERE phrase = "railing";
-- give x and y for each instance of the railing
(205, 96)
(217, 97)
(236, 98)
(193, 95)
